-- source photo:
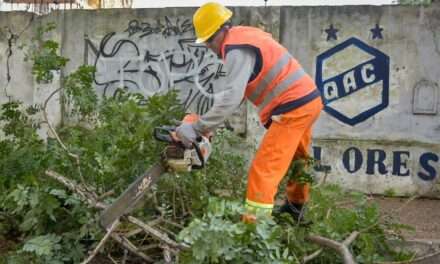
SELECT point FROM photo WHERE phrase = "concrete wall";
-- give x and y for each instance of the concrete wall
(377, 68)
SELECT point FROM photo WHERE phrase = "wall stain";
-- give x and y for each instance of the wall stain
(12, 39)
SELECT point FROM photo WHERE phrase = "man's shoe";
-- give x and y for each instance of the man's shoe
(248, 218)
(297, 212)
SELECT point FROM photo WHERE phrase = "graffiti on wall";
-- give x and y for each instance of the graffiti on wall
(353, 78)
(150, 58)
(167, 28)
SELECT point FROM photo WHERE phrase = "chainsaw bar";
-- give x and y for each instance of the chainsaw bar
(175, 157)
(130, 198)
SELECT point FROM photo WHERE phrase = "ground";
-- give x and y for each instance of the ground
(422, 214)
(5, 246)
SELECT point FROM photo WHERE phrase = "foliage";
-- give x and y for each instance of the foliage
(224, 176)
(337, 222)
(78, 87)
(23, 154)
(300, 170)
(39, 211)
(44, 55)
(230, 241)
(390, 192)
(120, 144)
(114, 147)
(118, 148)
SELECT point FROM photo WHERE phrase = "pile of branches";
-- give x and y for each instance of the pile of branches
(169, 246)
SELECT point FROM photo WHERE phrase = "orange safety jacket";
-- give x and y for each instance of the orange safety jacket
(278, 83)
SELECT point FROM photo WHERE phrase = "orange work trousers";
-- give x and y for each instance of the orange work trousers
(288, 138)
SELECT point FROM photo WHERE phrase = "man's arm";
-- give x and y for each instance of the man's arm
(239, 64)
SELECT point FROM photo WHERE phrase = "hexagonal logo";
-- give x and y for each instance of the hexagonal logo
(354, 81)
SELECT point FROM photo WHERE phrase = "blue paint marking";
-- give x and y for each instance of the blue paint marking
(363, 75)
(377, 162)
(357, 159)
(331, 33)
(424, 162)
(376, 157)
(349, 82)
(398, 164)
(318, 165)
(377, 32)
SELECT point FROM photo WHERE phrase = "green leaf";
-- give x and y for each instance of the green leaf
(58, 193)
(43, 245)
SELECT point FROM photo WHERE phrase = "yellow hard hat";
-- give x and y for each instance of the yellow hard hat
(208, 19)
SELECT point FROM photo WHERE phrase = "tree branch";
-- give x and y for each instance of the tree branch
(340, 248)
(156, 234)
(90, 199)
(130, 247)
(105, 195)
(51, 128)
(77, 188)
(53, 131)
(350, 238)
(101, 243)
(312, 256)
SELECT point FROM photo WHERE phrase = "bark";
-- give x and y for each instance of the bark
(341, 248)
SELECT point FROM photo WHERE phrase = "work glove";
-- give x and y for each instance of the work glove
(187, 134)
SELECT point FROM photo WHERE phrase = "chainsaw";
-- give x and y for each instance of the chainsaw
(175, 157)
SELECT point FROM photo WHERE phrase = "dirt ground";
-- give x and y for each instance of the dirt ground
(421, 214)
(5, 246)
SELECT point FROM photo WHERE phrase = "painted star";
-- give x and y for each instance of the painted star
(377, 32)
(331, 33)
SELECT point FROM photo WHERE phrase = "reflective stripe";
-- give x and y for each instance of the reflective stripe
(259, 205)
(250, 210)
(270, 76)
(281, 87)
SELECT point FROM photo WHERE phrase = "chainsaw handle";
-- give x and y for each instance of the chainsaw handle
(199, 154)
(164, 133)
(168, 134)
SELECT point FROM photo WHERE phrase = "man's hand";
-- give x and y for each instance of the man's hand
(187, 134)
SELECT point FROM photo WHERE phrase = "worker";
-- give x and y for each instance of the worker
(285, 96)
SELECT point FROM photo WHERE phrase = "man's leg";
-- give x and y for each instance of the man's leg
(297, 193)
(275, 154)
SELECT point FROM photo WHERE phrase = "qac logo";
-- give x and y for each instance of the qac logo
(354, 81)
